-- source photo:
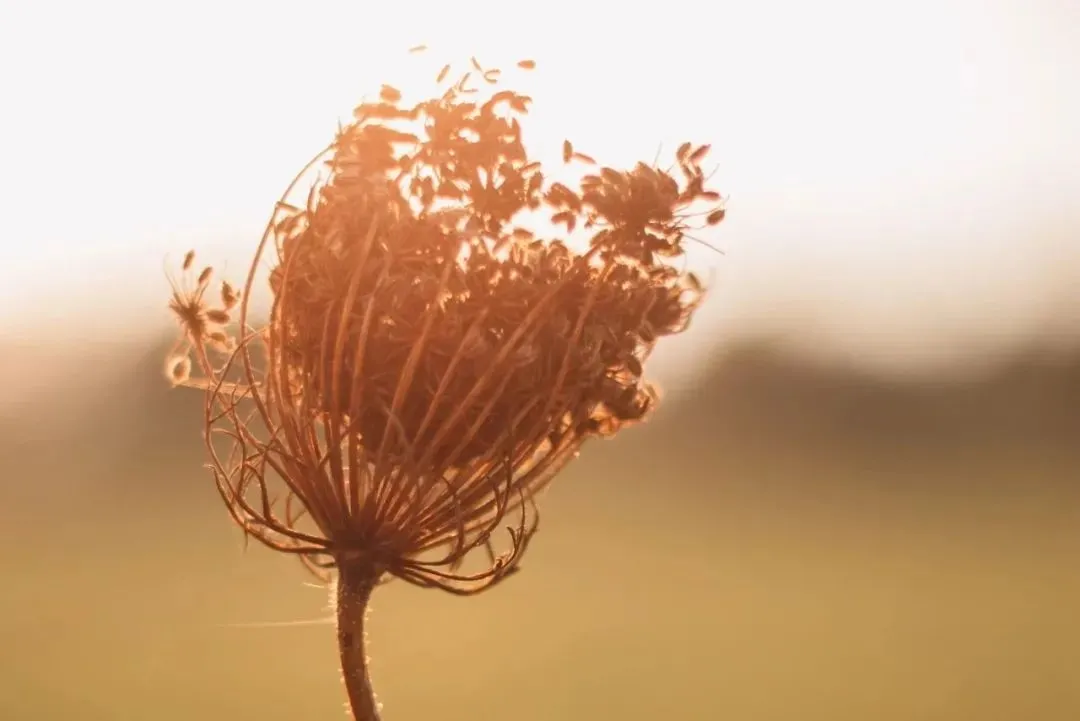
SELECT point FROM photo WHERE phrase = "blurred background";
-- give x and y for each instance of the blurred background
(858, 499)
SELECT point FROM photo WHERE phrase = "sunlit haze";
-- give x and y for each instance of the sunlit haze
(858, 497)
(902, 176)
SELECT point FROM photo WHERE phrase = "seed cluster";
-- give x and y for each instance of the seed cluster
(465, 332)
(432, 357)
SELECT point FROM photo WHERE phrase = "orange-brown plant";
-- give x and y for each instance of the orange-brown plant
(428, 363)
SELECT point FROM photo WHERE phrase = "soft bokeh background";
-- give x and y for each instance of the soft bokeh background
(859, 499)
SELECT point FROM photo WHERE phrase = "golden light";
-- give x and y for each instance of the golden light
(871, 151)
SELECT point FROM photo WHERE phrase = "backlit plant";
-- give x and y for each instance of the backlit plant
(430, 361)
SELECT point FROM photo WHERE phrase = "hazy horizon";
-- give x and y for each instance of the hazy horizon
(778, 541)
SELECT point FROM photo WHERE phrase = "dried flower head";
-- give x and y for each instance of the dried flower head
(429, 363)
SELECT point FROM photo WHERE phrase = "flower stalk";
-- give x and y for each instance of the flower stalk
(355, 582)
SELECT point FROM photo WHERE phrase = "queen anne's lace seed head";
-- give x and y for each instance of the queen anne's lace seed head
(429, 363)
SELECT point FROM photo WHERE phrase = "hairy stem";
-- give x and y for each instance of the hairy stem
(354, 586)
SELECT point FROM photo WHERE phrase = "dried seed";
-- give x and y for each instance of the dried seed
(715, 217)
(215, 315)
(418, 48)
(520, 103)
(566, 216)
(229, 296)
(612, 176)
(527, 64)
(443, 73)
(179, 369)
(698, 155)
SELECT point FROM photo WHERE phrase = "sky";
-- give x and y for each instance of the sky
(901, 176)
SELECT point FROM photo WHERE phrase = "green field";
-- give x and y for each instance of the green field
(783, 544)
